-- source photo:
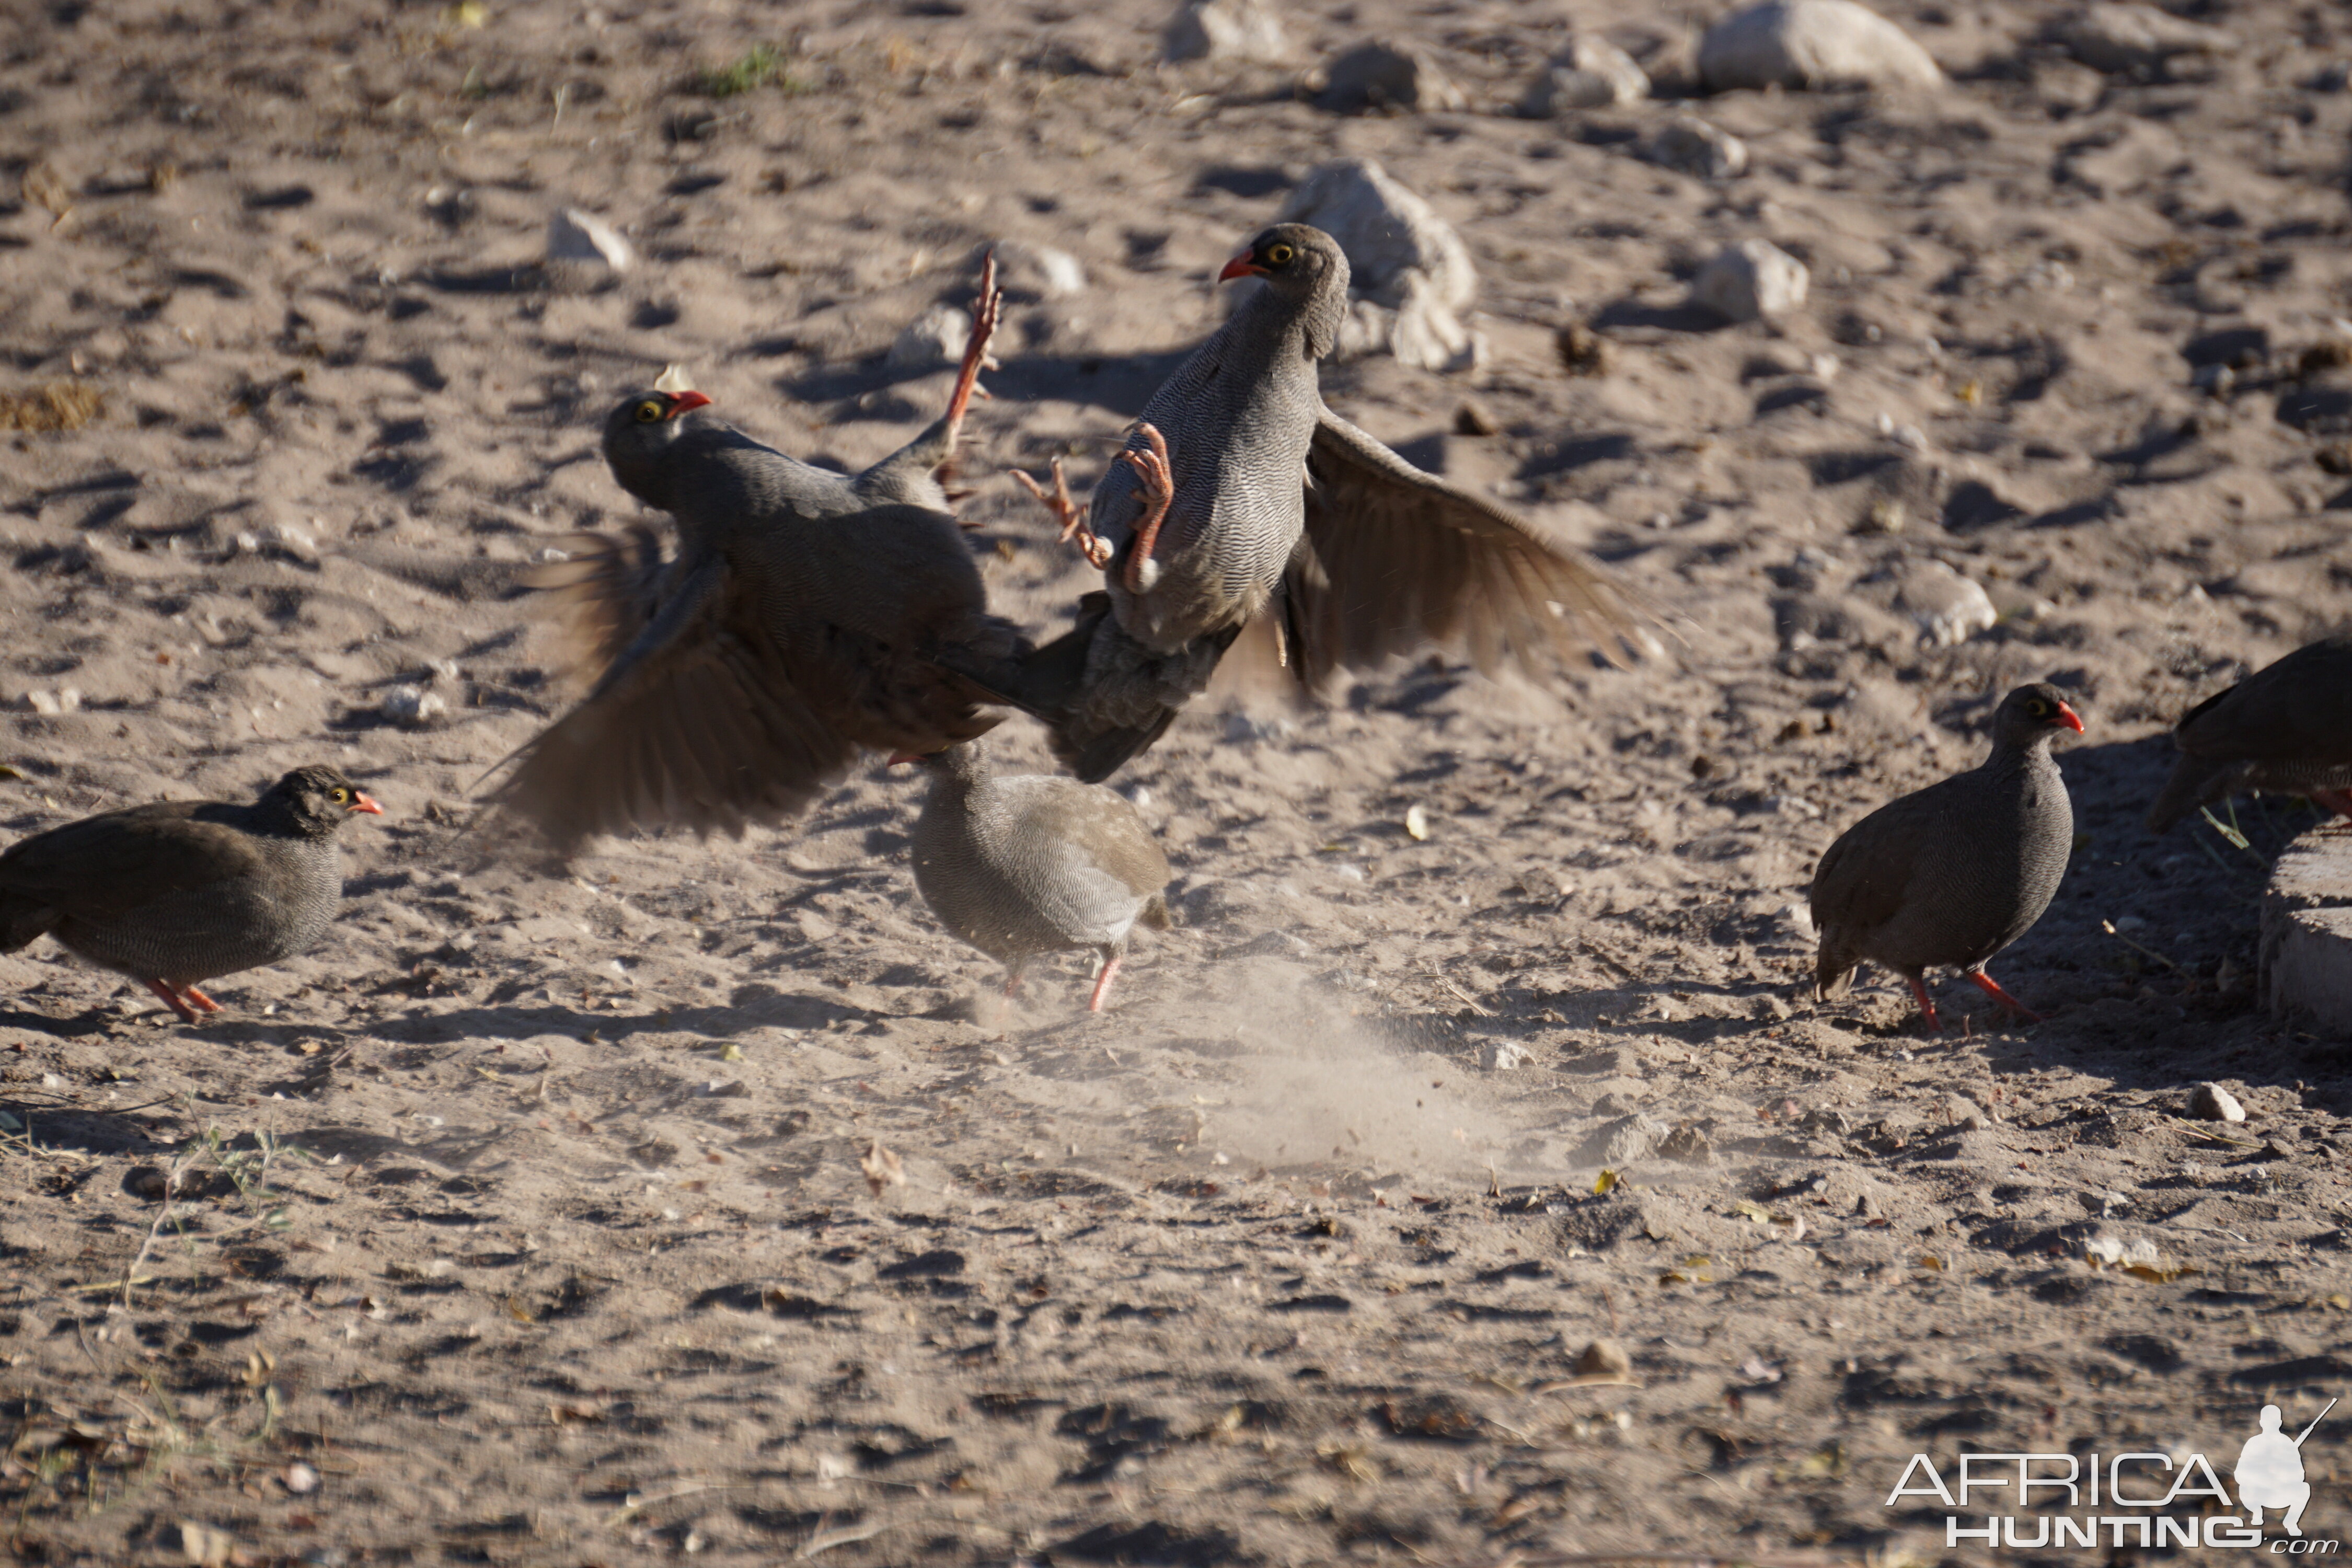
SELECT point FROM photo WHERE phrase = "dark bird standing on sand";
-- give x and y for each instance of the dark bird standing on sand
(801, 619)
(182, 891)
(2288, 727)
(1955, 872)
(1030, 863)
(1239, 493)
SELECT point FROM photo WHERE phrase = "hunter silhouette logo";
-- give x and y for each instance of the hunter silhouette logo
(2144, 1499)
(2270, 1471)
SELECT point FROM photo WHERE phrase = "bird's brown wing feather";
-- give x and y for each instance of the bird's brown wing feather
(103, 868)
(605, 591)
(2297, 710)
(1393, 558)
(1861, 881)
(698, 724)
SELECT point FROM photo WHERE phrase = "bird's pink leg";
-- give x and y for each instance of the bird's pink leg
(986, 311)
(171, 999)
(1013, 979)
(1159, 488)
(1992, 988)
(1102, 984)
(1068, 515)
(200, 999)
(1927, 1003)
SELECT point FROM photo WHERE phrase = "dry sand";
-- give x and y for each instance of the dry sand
(523, 1221)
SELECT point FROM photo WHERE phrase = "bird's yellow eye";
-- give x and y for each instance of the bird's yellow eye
(649, 411)
(2037, 707)
(1279, 255)
(340, 795)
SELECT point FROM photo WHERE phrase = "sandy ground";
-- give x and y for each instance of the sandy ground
(524, 1222)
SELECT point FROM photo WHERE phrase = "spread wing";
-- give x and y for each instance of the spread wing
(697, 722)
(1393, 559)
(104, 868)
(605, 591)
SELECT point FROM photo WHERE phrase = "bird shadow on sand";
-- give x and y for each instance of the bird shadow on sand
(97, 1021)
(84, 1129)
(751, 1007)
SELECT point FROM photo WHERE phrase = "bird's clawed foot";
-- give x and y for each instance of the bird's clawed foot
(1992, 988)
(1068, 516)
(1151, 466)
(184, 1000)
(986, 312)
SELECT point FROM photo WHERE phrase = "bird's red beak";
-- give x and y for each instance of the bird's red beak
(898, 757)
(687, 402)
(2068, 717)
(363, 801)
(1242, 266)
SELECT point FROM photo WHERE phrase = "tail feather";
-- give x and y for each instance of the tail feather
(1155, 914)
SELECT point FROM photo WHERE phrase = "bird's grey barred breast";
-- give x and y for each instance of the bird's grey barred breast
(192, 935)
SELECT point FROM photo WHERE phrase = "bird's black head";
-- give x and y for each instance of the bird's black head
(1295, 258)
(640, 435)
(2033, 713)
(315, 801)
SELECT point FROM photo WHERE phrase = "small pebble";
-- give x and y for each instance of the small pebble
(2212, 1102)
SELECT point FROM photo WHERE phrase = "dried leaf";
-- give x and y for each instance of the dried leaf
(1605, 1182)
(1754, 1213)
(205, 1547)
(883, 1169)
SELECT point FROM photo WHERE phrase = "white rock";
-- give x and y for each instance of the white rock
(1401, 257)
(49, 704)
(1592, 73)
(1508, 1056)
(938, 334)
(583, 238)
(2122, 38)
(1382, 74)
(414, 707)
(1946, 607)
(1754, 280)
(2212, 1102)
(1227, 30)
(288, 539)
(1038, 269)
(1694, 147)
(1812, 43)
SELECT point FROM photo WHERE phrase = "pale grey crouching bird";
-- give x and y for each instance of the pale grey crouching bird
(1953, 873)
(1033, 864)
(2288, 727)
(178, 892)
(1239, 494)
(805, 614)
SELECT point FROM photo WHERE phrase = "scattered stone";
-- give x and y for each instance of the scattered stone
(2212, 1102)
(1623, 1141)
(49, 704)
(2138, 38)
(1752, 280)
(1036, 270)
(1403, 259)
(1227, 30)
(1812, 44)
(1694, 147)
(935, 337)
(414, 708)
(1508, 1056)
(579, 241)
(1473, 418)
(1582, 351)
(1386, 75)
(1603, 1361)
(1592, 73)
(1946, 608)
(1687, 1145)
